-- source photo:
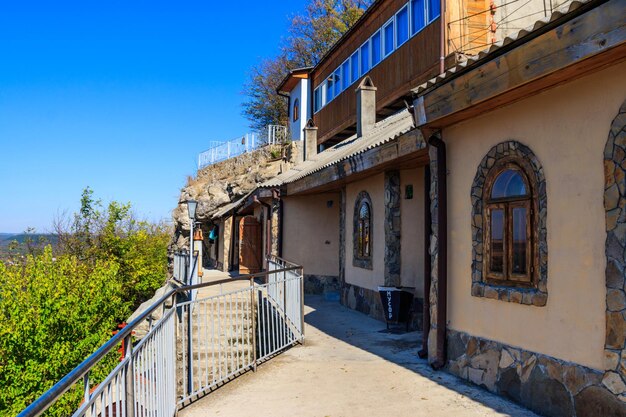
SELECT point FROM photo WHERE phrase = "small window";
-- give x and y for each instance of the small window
(508, 233)
(345, 74)
(296, 110)
(388, 38)
(418, 16)
(376, 48)
(317, 99)
(363, 231)
(434, 9)
(365, 58)
(329, 89)
(354, 67)
(402, 26)
(337, 80)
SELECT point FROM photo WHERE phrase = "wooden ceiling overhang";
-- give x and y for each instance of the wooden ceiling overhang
(405, 152)
(577, 44)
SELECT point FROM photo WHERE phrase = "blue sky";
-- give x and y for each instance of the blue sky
(120, 96)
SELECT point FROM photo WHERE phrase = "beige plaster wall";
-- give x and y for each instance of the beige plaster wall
(308, 224)
(567, 128)
(225, 225)
(412, 230)
(366, 278)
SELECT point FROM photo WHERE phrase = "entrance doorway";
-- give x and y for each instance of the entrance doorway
(250, 245)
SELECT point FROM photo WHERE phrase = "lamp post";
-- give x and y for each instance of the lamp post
(191, 210)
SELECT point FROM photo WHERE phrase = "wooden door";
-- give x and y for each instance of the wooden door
(250, 245)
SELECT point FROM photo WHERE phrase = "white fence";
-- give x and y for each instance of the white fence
(273, 135)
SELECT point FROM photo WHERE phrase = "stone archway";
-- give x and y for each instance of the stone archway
(615, 250)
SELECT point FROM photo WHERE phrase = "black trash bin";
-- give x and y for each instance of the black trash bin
(397, 302)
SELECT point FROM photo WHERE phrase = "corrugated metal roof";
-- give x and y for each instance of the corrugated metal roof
(382, 132)
(231, 206)
(493, 49)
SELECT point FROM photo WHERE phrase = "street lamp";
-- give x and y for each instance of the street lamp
(191, 210)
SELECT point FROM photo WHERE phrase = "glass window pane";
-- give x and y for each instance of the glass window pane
(497, 241)
(402, 26)
(434, 9)
(418, 18)
(509, 184)
(365, 58)
(329, 89)
(366, 239)
(345, 74)
(519, 240)
(354, 66)
(316, 99)
(376, 48)
(337, 79)
(388, 32)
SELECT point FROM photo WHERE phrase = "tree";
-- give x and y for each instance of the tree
(310, 35)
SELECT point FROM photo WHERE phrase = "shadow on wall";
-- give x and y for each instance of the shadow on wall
(371, 335)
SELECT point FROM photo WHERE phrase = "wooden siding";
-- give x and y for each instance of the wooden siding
(414, 62)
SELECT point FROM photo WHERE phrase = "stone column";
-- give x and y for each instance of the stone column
(392, 228)
(365, 106)
(310, 140)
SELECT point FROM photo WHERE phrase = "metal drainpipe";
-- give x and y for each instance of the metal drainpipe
(427, 267)
(442, 37)
(280, 227)
(442, 256)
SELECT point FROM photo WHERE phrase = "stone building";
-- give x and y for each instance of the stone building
(490, 184)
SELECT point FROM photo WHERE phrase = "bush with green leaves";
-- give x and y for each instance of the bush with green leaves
(57, 308)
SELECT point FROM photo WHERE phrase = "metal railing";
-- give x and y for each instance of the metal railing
(181, 266)
(273, 135)
(193, 348)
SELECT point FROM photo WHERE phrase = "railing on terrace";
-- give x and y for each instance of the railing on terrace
(273, 135)
(193, 348)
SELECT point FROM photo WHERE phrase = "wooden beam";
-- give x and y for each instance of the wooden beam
(405, 151)
(585, 43)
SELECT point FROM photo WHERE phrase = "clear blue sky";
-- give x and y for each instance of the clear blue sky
(120, 96)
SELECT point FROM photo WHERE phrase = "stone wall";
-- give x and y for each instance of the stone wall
(393, 217)
(615, 250)
(546, 385)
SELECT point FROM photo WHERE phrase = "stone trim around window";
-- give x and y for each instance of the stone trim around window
(537, 295)
(360, 261)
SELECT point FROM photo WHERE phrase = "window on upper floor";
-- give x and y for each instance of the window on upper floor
(388, 41)
(418, 16)
(296, 110)
(376, 42)
(345, 74)
(402, 26)
(354, 67)
(330, 85)
(508, 210)
(365, 57)
(434, 9)
(337, 82)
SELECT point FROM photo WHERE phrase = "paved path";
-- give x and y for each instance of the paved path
(349, 367)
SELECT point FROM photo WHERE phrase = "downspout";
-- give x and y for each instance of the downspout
(442, 37)
(427, 264)
(276, 195)
(442, 256)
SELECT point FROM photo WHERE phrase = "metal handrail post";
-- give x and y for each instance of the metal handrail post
(302, 303)
(129, 376)
(253, 320)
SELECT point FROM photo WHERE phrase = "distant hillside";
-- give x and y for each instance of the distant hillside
(6, 238)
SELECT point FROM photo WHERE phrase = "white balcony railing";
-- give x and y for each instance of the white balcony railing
(272, 135)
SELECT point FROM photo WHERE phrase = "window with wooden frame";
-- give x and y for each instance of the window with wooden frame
(363, 231)
(509, 211)
(296, 110)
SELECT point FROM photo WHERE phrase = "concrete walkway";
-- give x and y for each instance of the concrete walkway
(349, 366)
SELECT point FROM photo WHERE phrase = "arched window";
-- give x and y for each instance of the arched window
(363, 231)
(508, 219)
(296, 110)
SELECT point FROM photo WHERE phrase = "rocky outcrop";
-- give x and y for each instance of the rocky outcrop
(219, 184)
